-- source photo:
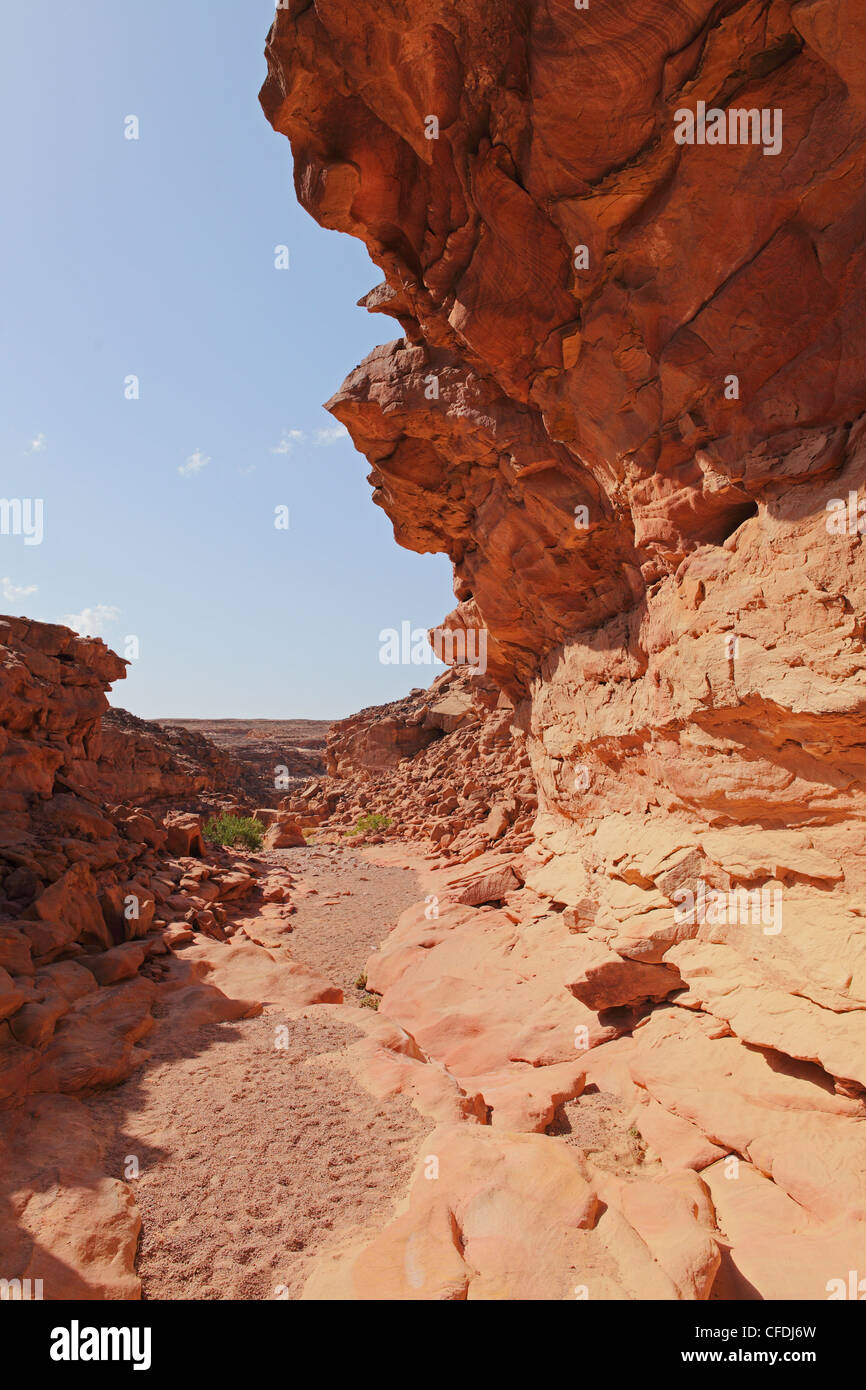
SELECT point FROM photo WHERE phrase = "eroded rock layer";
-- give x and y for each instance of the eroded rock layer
(627, 403)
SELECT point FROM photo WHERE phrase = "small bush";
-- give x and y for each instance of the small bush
(370, 1002)
(372, 821)
(361, 982)
(235, 830)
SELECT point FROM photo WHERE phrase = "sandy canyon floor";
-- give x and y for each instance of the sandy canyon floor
(253, 1158)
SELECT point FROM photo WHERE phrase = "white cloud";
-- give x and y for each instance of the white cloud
(92, 622)
(13, 592)
(330, 434)
(288, 440)
(194, 464)
(321, 438)
(37, 444)
(245, 472)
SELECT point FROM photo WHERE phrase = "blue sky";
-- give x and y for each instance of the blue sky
(156, 258)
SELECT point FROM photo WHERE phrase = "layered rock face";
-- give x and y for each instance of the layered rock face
(627, 402)
(69, 865)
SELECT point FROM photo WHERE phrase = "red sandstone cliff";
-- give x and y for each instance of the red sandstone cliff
(668, 572)
(628, 403)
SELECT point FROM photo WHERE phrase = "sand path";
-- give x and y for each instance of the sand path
(253, 1159)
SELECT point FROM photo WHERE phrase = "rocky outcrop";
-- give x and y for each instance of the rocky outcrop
(444, 766)
(628, 404)
(92, 893)
(75, 878)
(147, 762)
(284, 832)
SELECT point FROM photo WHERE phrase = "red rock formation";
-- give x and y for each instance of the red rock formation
(444, 765)
(147, 762)
(88, 887)
(628, 403)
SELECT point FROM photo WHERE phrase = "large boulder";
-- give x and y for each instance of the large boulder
(73, 901)
(284, 833)
(185, 835)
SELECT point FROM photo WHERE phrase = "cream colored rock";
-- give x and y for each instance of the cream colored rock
(389, 1062)
(489, 997)
(790, 1128)
(250, 975)
(495, 1215)
(744, 993)
(63, 1220)
(777, 1251)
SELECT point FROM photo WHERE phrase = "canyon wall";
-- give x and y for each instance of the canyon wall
(628, 403)
(69, 863)
(95, 885)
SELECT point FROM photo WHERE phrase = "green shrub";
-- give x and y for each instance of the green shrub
(372, 821)
(235, 830)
